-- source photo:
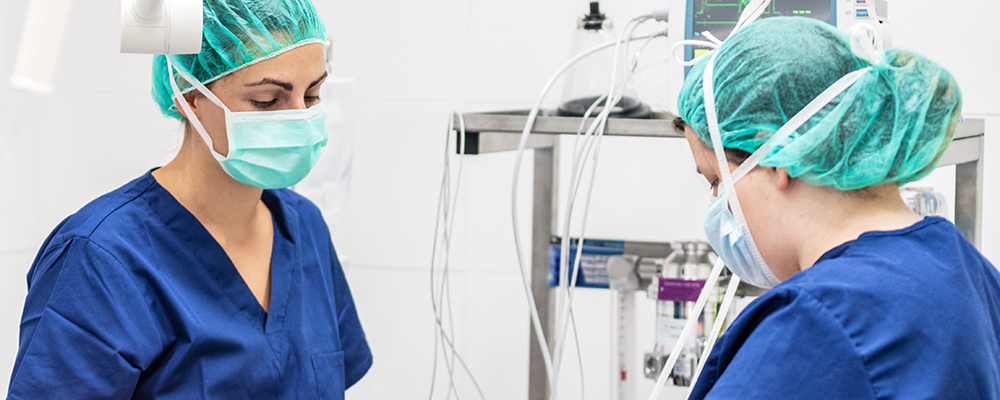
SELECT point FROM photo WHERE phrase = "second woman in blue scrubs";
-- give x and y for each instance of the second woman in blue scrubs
(806, 134)
(205, 278)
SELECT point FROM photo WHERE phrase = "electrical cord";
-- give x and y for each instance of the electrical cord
(446, 206)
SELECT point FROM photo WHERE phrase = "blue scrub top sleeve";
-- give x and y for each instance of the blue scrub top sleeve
(795, 349)
(353, 342)
(87, 330)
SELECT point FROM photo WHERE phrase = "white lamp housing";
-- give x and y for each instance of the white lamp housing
(41, 42)
(161, 26)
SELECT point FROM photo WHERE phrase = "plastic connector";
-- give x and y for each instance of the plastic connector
(661, 14)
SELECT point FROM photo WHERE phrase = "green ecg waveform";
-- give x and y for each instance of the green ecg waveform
(720, 16)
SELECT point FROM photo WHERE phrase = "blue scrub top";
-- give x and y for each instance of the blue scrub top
(907, 314)
(131, 297)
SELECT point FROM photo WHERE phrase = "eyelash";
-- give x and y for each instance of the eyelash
(268, 104)
(263, 104)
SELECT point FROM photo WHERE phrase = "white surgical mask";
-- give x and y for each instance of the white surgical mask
(267, 149)
(726, 226)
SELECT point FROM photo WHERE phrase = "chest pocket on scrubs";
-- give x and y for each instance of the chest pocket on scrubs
(329, 370)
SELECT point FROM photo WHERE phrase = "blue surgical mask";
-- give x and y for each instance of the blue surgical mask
(734, 244)
(267, 149)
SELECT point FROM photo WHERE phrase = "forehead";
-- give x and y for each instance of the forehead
(306, 62)
(704, 156)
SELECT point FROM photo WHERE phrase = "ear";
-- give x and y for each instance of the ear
(190, 98)
(781, 179)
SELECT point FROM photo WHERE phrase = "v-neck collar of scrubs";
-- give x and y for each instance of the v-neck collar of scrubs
(221, 268)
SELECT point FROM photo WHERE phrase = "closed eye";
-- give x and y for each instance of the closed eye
(264, 104)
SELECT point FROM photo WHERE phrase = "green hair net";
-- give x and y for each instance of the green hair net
(237, 33)
(892, 125)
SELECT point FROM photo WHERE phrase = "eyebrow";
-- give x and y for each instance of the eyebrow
(285, 85)
(316, 82)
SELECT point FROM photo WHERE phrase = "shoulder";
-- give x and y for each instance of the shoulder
(106, 219)
(108, 210)
(787, 342)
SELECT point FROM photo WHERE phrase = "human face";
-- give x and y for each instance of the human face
(288, 81)
(761, 196)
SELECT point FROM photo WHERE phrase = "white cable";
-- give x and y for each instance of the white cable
(565, 282)
(449, 227)
(576, 180)
(699, 306)
(536, 321)
(727, 302)
(446, 206)
(442, 208)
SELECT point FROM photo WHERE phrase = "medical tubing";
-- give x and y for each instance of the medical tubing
(448, 211)
(566, 283)
(699, 306)
(450, 230)
(536, 321)
(442, 208)
(572, 317)
(563, 263)
(442, 204)
(579, 165)
(450, 216)
(727, 302)
(445, 282)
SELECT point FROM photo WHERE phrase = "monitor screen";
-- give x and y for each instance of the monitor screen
(720, 16)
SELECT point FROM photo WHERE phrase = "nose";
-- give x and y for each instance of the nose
(299, 103)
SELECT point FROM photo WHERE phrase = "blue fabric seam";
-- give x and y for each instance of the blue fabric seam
(134, 285)
(30, 340)
(849, 338)
(133, 198)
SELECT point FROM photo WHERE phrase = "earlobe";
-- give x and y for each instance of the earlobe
(782, 179)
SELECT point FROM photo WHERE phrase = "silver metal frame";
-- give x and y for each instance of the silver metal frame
(500, 131)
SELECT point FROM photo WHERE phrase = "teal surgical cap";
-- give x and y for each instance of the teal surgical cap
(892, 125)
(238, 33)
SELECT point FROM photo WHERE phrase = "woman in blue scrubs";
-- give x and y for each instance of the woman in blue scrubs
(805, 134)
(205, 278)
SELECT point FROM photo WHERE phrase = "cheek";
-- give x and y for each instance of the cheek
(213, 119)
(754, 200)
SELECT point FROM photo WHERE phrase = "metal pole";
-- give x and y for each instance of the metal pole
(546, 178)
(969, 198)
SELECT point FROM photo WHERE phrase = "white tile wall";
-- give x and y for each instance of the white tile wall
(415, 62)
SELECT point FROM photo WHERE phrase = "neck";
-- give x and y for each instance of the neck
(836, 217)
(226, 207)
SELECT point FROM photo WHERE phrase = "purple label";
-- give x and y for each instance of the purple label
(680, 289)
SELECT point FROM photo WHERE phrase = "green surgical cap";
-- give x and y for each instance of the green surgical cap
(238, 33)
(892, 125)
